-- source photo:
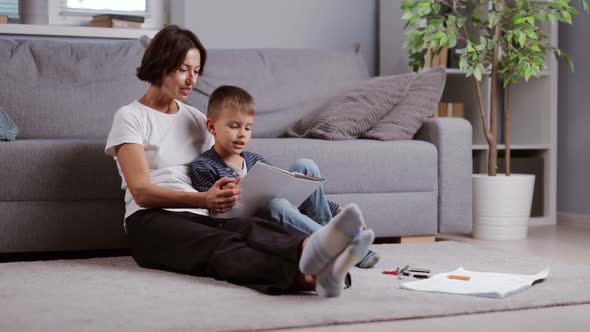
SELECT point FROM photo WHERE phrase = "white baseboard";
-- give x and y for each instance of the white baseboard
(565, 218)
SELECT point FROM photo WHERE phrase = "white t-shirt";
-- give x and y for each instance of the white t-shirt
(170, 142)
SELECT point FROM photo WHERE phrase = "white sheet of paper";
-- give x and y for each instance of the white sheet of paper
(265, 182)
(486, 284)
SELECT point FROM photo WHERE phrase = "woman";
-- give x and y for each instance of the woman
(154, 138)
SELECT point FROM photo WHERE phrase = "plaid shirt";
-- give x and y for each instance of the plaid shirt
(210, 167)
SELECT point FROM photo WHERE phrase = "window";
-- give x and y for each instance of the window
(79, 12)
(133, 7)
(9, 8)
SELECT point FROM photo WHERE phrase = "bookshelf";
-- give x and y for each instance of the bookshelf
(534, 113)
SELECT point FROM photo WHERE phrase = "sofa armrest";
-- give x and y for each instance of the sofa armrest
(452, 139)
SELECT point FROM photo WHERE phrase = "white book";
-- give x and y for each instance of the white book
(486, 284)
(264, 182)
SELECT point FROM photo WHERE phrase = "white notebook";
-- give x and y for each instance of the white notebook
(487, 284)
(264, 182)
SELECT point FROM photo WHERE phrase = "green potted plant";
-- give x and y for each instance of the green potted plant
(502, 39)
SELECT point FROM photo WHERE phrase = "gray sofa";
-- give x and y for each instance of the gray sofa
(59, 192)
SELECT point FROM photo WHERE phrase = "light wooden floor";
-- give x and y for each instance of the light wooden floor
(557, 243)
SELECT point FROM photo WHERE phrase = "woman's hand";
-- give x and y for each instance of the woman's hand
(223, 195)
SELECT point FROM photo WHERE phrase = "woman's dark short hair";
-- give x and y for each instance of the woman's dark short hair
(166, 52)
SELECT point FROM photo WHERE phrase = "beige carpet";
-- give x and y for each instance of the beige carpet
(113, 294)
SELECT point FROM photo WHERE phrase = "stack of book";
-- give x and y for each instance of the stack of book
(117, 21)
(447, 109)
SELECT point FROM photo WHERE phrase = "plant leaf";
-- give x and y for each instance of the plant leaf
(527, 73)
(522, 39)
(477, 74)
(436, 7)
(491, 17)
(567, 17)
(568, 60)
(452, 41)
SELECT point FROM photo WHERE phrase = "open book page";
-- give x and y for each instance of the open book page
(487, 284)
(265, 182)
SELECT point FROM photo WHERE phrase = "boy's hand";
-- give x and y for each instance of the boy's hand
(223, 195)
(234, 184)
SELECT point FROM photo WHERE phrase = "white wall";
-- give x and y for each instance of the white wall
(282, 24)
(393, 58)
(573, 189)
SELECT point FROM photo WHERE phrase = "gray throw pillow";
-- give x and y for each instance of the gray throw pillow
(406, 118)
(351, 114)
(8, 129)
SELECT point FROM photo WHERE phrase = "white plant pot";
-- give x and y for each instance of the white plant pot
(502, 206)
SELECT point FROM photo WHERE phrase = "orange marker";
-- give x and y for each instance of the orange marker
(453, 276)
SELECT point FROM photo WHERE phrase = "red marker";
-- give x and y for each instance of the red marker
(396, 272)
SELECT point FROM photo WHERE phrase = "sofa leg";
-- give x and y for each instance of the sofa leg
(417, 239)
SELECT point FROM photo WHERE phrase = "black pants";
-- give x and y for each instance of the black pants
(250, 252)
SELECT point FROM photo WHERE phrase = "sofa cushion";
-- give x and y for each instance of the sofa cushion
(286, 84)
(354, 112)
(404, 120)
(57, 170)
(60, 88)
(395, 214)
(359, 166)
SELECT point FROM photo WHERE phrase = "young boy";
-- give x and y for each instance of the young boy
(230, 117)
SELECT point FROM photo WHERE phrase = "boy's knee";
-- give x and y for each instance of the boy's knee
(306, 166)
(279, 204)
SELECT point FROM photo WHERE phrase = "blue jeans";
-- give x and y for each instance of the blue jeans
(311, 215)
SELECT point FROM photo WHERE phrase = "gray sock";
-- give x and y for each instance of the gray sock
(329, 241)
(330, 282)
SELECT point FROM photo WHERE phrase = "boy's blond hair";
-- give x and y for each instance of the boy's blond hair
(231, 97)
